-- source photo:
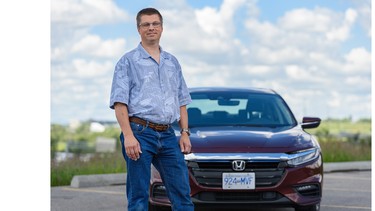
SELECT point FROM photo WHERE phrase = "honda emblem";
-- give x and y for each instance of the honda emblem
(238, 165)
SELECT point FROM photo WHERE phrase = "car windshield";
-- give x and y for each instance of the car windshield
(239, 109)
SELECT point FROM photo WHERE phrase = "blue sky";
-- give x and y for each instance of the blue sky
(315, 53)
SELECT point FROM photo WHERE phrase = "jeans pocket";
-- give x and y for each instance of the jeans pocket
(137, 128)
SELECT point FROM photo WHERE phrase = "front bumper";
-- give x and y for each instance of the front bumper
(297, 186)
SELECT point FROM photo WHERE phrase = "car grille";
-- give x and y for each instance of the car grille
(237, 196)
(209, 173)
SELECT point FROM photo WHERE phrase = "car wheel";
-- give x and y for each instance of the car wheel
(315, 207)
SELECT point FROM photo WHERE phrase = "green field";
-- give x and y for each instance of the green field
(344, 126)
(340, 140)
(344, 140)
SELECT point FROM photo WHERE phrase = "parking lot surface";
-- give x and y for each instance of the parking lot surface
(342, 191)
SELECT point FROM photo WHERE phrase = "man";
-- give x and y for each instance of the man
(148, 94)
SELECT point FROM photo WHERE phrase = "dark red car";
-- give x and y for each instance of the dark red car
(248, 150)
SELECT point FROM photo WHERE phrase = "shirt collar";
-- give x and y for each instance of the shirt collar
(146, 55)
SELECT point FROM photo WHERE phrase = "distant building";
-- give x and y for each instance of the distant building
(105, 123)
(97, 127)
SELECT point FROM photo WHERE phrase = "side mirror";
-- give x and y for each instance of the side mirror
(310, 122)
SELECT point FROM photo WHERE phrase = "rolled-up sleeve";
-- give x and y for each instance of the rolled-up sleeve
(120, 83)
(183, 91)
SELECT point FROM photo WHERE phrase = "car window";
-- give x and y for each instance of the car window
(228, 108)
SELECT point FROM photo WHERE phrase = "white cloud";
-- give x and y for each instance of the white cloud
(206, 28)
(218, 22)
(92, 68)
(363, 9)
(71, 22)
(258, 69)
(263, 31)
(297, 73)
(82, 61)
(336, 27)
(299, 54)
(287, 54)
(341, 33)
(86, 12)
(325, 61)
(357, 60)
(334, 101)
(361, 83)
(58, 53)
(305, 29)
(318, 20)
(93, 45)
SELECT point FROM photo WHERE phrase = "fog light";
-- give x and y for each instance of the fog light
(311, 190)
(304, 188)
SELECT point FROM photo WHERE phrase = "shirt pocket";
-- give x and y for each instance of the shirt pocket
(172, 79)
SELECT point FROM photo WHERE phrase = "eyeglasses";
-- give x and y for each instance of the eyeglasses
(147, 25)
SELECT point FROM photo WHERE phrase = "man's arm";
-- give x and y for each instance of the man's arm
(131, 144)
(185, 144)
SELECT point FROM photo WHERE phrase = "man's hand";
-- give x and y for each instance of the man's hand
(131, 144)
(185, 144)
(132, 147)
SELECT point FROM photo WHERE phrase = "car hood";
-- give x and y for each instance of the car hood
(249, 139)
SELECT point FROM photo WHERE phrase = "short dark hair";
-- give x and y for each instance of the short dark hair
(148, 11)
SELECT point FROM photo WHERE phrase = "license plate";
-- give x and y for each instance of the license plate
(239, 181)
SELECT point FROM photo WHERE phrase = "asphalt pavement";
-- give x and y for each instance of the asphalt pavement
(83, 181)
(107, 192)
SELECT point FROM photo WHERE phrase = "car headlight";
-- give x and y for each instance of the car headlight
(303, 156)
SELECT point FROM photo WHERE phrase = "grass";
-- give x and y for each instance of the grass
(62, 173)
(341, 151)
(335, 127)
(335, 148)
(344, 140)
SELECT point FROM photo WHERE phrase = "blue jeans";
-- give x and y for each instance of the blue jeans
(163, 151)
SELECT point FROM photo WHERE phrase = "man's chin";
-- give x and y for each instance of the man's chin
(152, 41)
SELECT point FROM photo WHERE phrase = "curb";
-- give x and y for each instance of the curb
(347, 166)
(96, 180)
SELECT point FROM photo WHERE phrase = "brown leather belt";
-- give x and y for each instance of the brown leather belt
(154, 126)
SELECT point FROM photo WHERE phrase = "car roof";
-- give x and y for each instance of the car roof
(232, 89)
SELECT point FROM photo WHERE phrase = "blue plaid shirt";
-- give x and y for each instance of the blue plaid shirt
(151, 91)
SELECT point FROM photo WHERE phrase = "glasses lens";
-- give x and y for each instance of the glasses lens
(156, 24)
(147, 25)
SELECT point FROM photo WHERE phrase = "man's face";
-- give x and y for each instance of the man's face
(150, 28)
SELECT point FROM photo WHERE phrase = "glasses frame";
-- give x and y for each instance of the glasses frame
(147, 25)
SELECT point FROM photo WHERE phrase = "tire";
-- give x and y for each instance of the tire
(315, 207)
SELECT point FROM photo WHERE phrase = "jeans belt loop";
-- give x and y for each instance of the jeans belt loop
(146, 123)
